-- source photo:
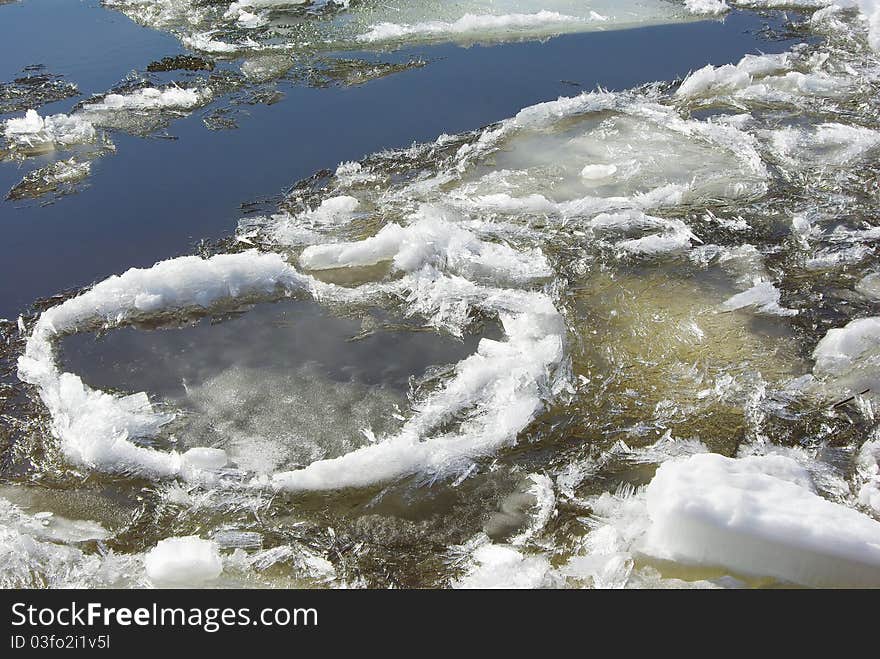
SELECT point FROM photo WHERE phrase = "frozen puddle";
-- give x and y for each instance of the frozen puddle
(277, 385)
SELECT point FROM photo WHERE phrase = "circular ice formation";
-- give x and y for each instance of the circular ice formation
(498, 390)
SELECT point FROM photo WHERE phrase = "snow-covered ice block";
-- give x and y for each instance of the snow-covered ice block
(758, 516)
(186, 560)
(847, 357)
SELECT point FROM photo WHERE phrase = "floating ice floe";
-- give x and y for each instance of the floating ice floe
(150, 98)
(341, 25)
(758, 516)
(596, 161)
(99, 430)
(140, 111)
(475, 24)
(36, 133)
(61, 175)
(33, 133)
(762, 78)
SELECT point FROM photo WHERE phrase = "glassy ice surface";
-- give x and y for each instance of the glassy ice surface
(543, 336)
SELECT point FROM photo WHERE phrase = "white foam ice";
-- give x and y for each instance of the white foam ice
(207, 43)
(710, 7)
(731, 77)
(335, 210)
(764, 79)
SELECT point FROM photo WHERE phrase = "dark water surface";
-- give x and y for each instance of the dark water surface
(155, 198)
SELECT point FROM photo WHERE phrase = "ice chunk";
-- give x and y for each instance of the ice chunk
(39, 551)
(335, 210)
(730, 77)
(869, 286)
(35, 132)
(150, 98)
(763, 297)
(868, 467)
(712, 7)
(204, 458)
(301, 26)
(183, 561)
(497, 391)
(841, 347)
(500, 566)
(758, 516)
(598, 172)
